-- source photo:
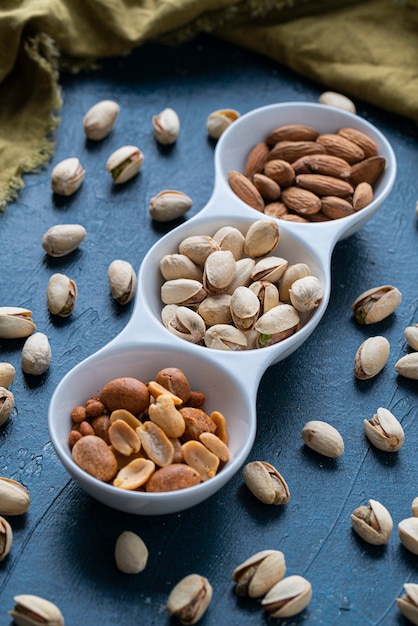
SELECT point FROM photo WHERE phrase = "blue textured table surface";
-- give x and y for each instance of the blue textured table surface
(63, 547)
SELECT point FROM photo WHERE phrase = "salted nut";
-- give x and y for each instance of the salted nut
(166, 126)
(408, 534)
(15, 322)
(169, 205)
(100, 119)
(14, 497)
(36, 354)
(62, 239)
(266, 483)
(411, 335)
(131, 553)
(373, 523)
(257, 575)
(7, 403)
(190, 598)
(407, 366)
(323, 438)
(61, 295)
(122, 281)
(384, 431)
(375, 304)
(67, 177)
(218, 121)
(7, 374)
(6, 538)
(408, 603)
(371, 357)
(288, 597)
(135, 474)
(124, 163)
(338, 100)
(31, 610)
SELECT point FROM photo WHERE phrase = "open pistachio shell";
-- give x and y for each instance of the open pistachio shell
(257, 575)
(15, 322)
(373, 523)
(124, 163)
(288, 597)
(31, 610)
(61, 295)
(408, 603)
(67, 176)
(122, 281)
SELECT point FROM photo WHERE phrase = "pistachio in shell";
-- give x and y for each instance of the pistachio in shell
(122, 281)
(100, 119)
(63, 239)
(124, 163)
(67, 176)
(61, 295)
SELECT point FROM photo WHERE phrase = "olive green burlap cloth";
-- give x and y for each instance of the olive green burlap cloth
(367, 49)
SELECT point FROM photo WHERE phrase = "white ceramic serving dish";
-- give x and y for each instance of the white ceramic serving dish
(229, 379)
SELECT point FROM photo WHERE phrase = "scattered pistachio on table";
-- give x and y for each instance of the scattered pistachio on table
(411, 335)
(166, 126)
(218, 121)
(36, 354)
(61, 295)
(7, 403)
(124, 163)
(15, 322)
(131, 553)
(6, 538)
(31, 610)
(7, 374)
(169, 205)
(408, 533)
(323, 438)
(375, 304)
(266, 483)
(14, 497)
(371, 357)
(63, 239)
(338, 100)
(288, 597)
(257, 574)
(414, 507)
(100, 119)
(190, 598)
(372, 522)
(384, 431)
(67, 176)
(407, 366)
(408, 603)
(122, 281)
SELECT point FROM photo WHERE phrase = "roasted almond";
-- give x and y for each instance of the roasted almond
(292, 150)
(275, 209)
(269, 189)
(326, 164)
(367, 171)
(300, 200)
(291, 132)
(339, 146)
(363, 195)
(280, 171)
(324, 185)
(245, 190)
(365, 142)
(293, 217)
(256, 159)
(335, 207)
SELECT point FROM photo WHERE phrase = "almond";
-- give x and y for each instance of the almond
(280, 171)
(365, 142)
(292, 150)
(335, 207)
(256, 159)
(339, 146)
(363, 195)
(275, 209)
(245, 190)
(367, 171)
(319, 217)
(324, 185)
(293, 217)
(269, 189)
(301, 201)
(325, 164)
(291, 132)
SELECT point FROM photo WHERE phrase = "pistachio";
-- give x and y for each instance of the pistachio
(124, 163)
(408, 603)
(7, 374)
(14, 497)
(277, 324)
(288, 597)
(218, 271)
(198, 248)
(408, 533)
(384, 431)
(100, 119)
(267, 294)
(182, 291)
(407, 366)
(373, 523)
(225, 337)
(306, 293)
(257, 575)
(61, 295)
(187, 324)
(62, 239)
(67, 176)
(15, 322)
(323, 438)
(411, 335)
(169, 205)
(6, 538)
(218, 121)
(338, 100)
(36, 354)
(292, 273)
(131, 553)
(270, 268)
(31, 610)
(245, 308)
(266, 483)
(230, 238)
(371, 357)
(166, 126)
(216, 309)
(122, 281)
(179, 266)
(261, 238)
(7, 403)
(375, 304)
(190, 598)
(242, 277)
(414, 507)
